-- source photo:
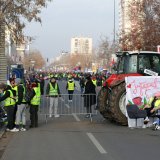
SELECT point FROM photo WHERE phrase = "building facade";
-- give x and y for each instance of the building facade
(128, 18)
(81, 45)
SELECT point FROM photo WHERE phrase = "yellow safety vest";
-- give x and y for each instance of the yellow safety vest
(94, 82)
(156, 104)
(10, 100)
(71, 86)
(36, 99)
(53, 91)
(16, 89)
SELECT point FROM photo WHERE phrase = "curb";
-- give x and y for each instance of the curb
(2, 131)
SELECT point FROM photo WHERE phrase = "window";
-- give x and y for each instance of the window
(121, 65)
(131, 64)
(150, 61)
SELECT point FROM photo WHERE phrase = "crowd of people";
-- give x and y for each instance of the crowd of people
(13, 96)
(18, 94)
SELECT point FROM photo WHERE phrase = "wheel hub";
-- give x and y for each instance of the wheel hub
(122, 103)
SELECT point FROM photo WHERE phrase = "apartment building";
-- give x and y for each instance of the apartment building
(126, 21)
(81, 45)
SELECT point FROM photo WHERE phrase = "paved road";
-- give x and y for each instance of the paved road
(66, 139)
(75, 137)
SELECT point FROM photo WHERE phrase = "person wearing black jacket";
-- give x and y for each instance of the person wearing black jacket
(21, 106)
(89, 96)
(12, 87)
(53, 92)
(82, 83)
(9, 104)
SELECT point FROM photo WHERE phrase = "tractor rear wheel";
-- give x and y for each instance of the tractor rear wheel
(117, 104)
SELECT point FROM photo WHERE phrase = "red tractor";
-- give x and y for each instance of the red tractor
(112, 96)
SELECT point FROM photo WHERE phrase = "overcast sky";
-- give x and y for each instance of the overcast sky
(64, 19)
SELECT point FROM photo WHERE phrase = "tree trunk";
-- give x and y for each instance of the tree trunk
(3, 58)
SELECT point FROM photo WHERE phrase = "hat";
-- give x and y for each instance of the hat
(17, 80)
(157, 94)
(88, 77)
(11, 79)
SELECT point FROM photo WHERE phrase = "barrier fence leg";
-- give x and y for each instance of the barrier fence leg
(46, 118)
(91, 117)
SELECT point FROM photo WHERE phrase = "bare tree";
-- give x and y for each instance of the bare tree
(105, 51)
(34, 58)
(13, 15)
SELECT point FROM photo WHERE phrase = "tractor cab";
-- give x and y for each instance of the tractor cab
(143, 62)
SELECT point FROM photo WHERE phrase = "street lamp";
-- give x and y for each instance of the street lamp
(114, 39)
(32, 63)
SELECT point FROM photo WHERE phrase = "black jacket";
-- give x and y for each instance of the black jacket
(89, 94)
(20, 94)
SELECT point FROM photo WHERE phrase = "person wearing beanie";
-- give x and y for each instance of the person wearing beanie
(9, 104)
(89, 95)
(21, 106)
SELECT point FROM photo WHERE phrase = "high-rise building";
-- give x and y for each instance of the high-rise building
(126, 21)
(81, 45)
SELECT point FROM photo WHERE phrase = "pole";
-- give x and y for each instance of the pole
(114, 39)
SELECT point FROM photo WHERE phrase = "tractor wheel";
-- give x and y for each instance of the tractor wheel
(117, 104)
(102, 101)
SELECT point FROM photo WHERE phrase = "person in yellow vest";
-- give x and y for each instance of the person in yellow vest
(53, 92)
(13, 87)
(9, 104)
(94, 80)
(70, 87)
(152, 106)
(34, 104)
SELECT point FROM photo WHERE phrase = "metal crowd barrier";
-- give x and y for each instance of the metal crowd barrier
(67, 107)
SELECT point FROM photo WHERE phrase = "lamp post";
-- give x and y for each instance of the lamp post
(114, 39)
(32, 63)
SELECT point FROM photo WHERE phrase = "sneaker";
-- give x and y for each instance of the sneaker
(7, 129)
(56, 115)
(146, 120)
(50, 116)
(158, 127)
(14, 130)
(22, 129)
(144, 126)
(87, 116)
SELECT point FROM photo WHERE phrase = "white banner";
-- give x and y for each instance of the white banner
(139, 89)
